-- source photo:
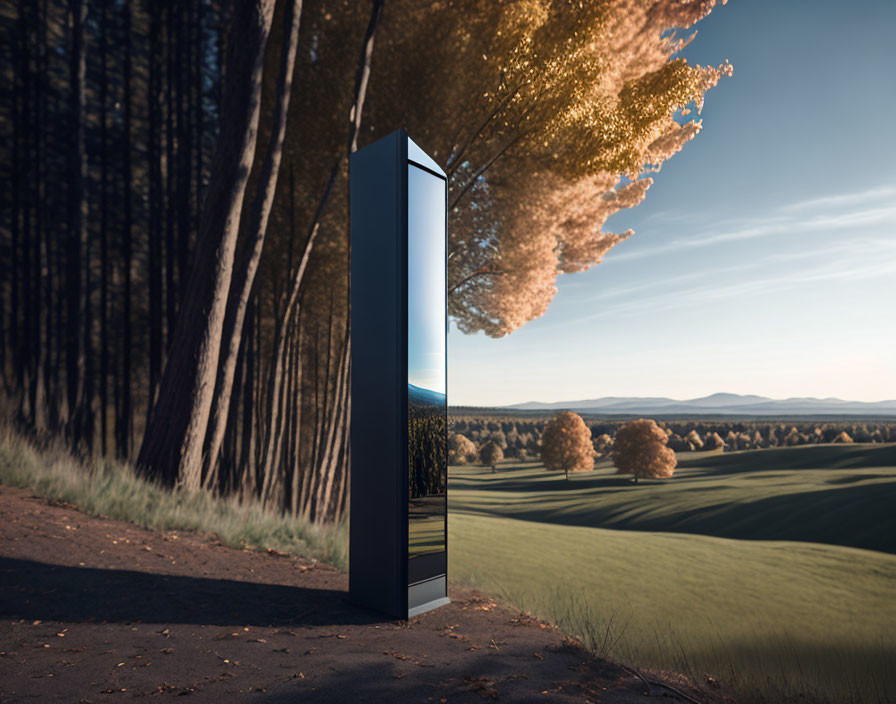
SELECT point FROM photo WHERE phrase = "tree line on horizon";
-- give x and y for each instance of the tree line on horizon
(175, 249)
(522, 439)
(639, 447)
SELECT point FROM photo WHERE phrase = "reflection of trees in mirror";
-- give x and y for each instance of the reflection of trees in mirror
(427, 470)
(427, 443)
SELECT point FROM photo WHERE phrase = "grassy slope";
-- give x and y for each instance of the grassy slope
(833, 494)
(112, 489)
(792, 617)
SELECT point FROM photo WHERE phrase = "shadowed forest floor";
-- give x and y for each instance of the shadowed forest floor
(95, 610)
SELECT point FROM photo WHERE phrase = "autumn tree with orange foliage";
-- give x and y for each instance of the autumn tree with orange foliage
(579, 105)
(490, 454)
(566, 444)
(640, 449)
(460, 449)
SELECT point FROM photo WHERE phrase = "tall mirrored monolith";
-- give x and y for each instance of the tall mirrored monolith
(399, 431)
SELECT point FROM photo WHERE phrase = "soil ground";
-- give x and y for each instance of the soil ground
(96, 610)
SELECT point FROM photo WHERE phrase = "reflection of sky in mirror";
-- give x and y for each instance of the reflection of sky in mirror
(426, 280)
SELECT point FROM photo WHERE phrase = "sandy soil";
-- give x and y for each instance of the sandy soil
(96, 610)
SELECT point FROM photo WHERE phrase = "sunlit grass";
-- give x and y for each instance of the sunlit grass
(833, 494)
(773, 621)
(112, 489)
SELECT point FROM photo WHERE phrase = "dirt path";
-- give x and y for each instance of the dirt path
(96, 610)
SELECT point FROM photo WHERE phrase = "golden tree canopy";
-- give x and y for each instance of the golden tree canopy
(566, 444)
(640, 449)
(461, 450)
(548, 117)
(491, 453)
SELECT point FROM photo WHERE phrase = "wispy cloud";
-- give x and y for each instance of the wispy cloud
(682, 300)
(857, 260)
(839, 200)
(862, 248)
(790, 221)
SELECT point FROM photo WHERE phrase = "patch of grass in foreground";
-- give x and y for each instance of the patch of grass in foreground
(771, 621)
(114, 490)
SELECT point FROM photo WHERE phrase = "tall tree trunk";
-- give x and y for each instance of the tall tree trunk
(154, 153)
(242, 283)
(18, 112)
(49, 382)
(295, 419)
(104, 232)
(247, 443)
(124, 421)
(184, 149)
(26, 399)
(172, 445)
(61, 245)
(77, 207)
(172, 293)
(339, 420)
(86, 416)
(198, 111)
(274, 437)
(39, 350)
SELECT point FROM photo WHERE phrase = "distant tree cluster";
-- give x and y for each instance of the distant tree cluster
(518, 439)
(521, 439)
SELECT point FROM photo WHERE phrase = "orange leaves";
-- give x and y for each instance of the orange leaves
(640, 449)
(566, 444)
(578, 99)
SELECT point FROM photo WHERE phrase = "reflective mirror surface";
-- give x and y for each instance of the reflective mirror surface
(427, 403)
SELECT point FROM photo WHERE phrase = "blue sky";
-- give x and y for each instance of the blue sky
(764, 259)
(426, 281)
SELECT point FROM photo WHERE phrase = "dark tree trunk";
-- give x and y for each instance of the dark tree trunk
(244, 279)
(247, 442)
(77, 209)
(104, 231)
(22, 184)
(46, 267)
(172, 445)
(184, 150)
(124, 421)
(154, 152)
(38, 350)
(171, 201)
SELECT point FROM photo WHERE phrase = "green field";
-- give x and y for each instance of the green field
(728, 569)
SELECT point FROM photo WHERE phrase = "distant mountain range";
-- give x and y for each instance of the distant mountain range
(718, 404)
(425, 397)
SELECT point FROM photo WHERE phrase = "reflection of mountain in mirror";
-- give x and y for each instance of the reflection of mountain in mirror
(425, 397)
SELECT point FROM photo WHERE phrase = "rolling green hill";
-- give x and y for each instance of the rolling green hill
(833, 494)
(790, 618)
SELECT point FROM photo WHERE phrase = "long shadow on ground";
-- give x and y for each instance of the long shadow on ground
(788, 458)
(39, 591)
(852, 508)
(853, 516)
